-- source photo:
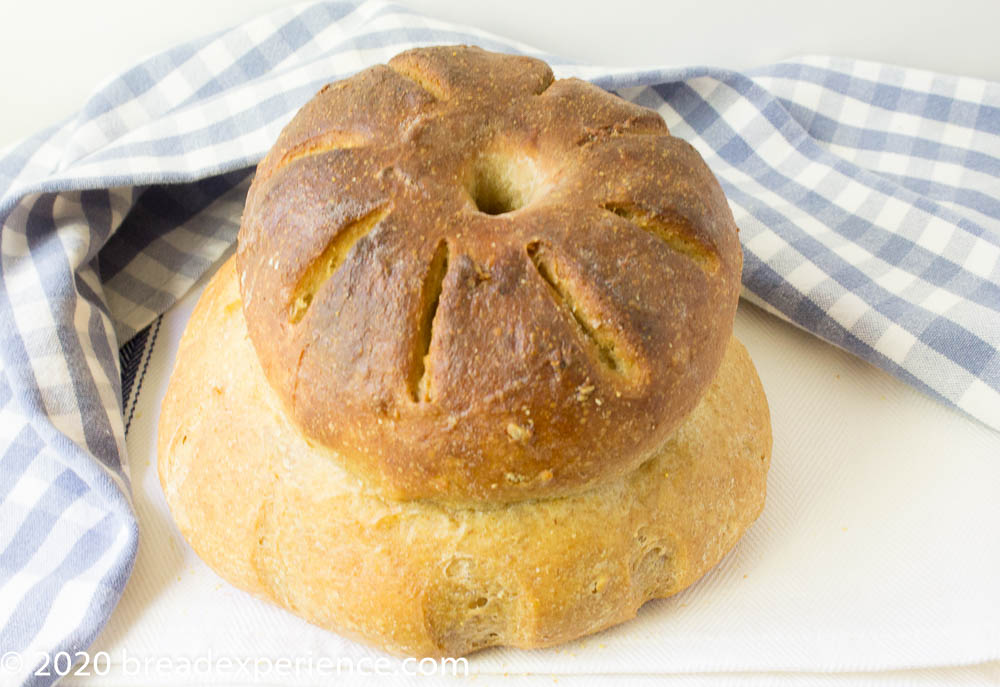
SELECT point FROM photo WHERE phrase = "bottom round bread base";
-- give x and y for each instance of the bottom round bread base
(278, 517)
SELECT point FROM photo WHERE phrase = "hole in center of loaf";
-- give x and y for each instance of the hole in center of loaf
(500, 184)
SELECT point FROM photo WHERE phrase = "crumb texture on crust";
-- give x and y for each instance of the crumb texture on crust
(452, 264)
(425, 578)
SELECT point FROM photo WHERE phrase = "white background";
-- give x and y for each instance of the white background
(54, 52)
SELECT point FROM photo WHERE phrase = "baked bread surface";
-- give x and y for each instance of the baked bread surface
(278, 515)
(476, 283)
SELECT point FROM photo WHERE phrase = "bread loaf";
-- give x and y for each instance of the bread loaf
(470, 379)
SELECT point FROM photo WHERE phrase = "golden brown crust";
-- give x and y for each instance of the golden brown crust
(447, 349)
(283, 520)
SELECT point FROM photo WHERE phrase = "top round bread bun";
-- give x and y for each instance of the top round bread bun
(474, 283)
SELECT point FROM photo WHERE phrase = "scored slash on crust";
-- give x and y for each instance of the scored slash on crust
(330, 260)
(417, 76)
(609, 352)
(327, 142)
(430, 297)
(674, 233)
(324, 143)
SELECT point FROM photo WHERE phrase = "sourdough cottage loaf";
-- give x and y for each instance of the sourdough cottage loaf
(470, 378)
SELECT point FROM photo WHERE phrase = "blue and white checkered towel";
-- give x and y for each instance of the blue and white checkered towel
(868, 198)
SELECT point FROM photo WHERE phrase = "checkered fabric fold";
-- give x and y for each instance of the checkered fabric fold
(868, 198)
